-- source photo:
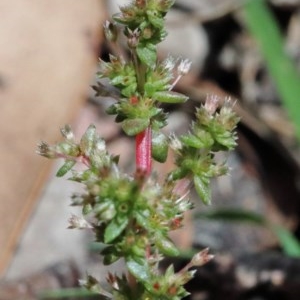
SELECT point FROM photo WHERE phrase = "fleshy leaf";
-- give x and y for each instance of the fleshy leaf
(159, 147)
(227, 140)
(88, 140)
(134, 126)
(114, 229)
(170, 97)
(192, 141)
(166, 246)
(86, 209)
(142, 220)
(110, 258)
(203, 189)
(178, 173)
(65, 168)
(155, 19)
(112, 109)
(147, 54)
(140, 271)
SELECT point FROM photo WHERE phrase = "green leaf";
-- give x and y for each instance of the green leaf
(129, 90)
(157, 84)
(119, 79)
(166, 246)
(170, 271)
(289, 243)
(134, 126)
(149, 89)
(105, 210)
(112, 109)
(141, 219)
(155, 19)
(110, 258)
(159, 147)
(67, 148)
(178, 173)
(233, 215)
(87, 141)
(203, 189)
(139, 271)
(225, 139)
(147, 54)
(170, 97)
(65, 168)
(114, 229)
(138, 251)
(192, 141)
(86, 209)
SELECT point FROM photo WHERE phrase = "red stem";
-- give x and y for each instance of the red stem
(143, 151)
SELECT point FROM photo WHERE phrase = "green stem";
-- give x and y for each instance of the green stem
(143, 144)
(140, 70)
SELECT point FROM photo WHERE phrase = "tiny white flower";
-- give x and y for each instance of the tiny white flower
(201, 258)
(184, 66)
(67, 132)
(45, 150)
(228, 103)
(100, 145)
(211, 103)
(78, 222)
(169, 63)
(182, 69)
(175, 143)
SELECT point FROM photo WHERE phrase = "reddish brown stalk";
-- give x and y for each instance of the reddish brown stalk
(143, 142)
(143, 151)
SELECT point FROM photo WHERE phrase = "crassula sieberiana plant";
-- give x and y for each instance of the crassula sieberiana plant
(133, 214)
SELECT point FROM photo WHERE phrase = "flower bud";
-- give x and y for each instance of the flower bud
(93, 285)
(112, 280)
(140, 3)
(133, 38)
(184, 67)
(45, 150)
(110, 31)
(78, 222)
(201, 258)
(67, 133)
(169, 63)
(164, 5)
(211, 103)
(147, 33)
(175, 143)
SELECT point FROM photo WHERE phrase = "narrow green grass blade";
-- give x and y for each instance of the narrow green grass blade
(66, 293)
(263, 27)
(289, 243)
(233, 215)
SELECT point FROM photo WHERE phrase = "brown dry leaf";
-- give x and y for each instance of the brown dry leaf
(47, 57)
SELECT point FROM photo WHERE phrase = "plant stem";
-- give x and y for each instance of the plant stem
(143, 151)
(143, 141)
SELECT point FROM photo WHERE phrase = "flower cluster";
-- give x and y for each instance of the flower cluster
(211, 132)
(132, 216)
